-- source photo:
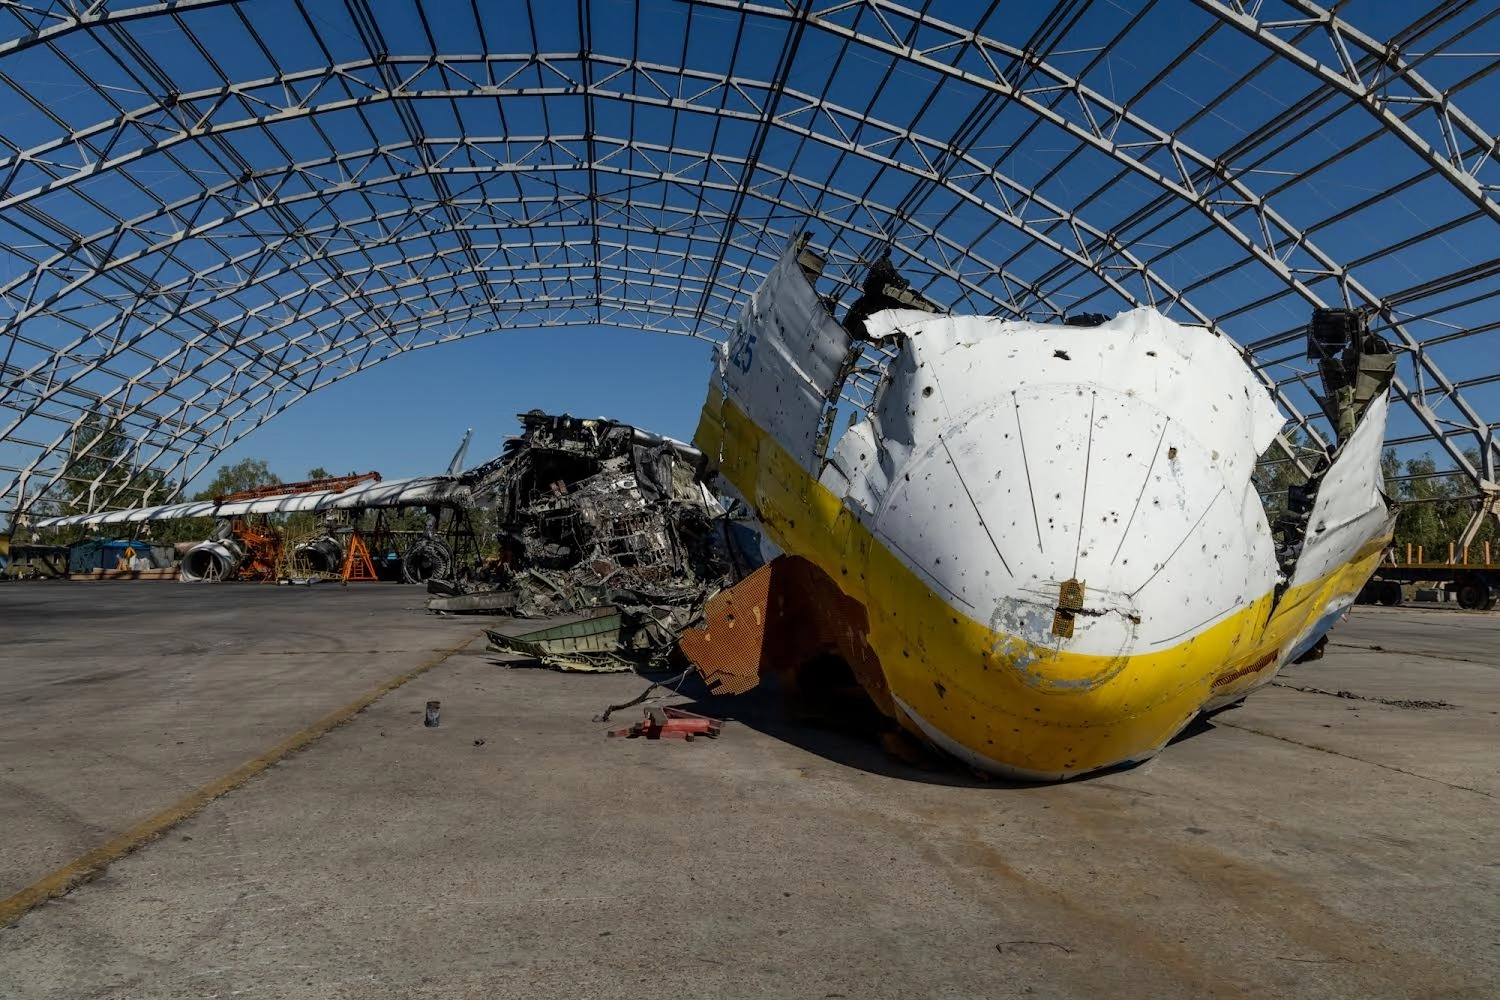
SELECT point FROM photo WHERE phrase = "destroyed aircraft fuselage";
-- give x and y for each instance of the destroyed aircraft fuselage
(1040, 549)
(592, 513)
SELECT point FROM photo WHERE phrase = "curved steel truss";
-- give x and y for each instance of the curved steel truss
(210, 208)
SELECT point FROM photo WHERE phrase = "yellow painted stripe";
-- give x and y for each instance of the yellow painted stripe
(1032, 709)
(91, 865)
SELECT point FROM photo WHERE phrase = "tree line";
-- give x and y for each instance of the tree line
(1434, 507)
(99, 474)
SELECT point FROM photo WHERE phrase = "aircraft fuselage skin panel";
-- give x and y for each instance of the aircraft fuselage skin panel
(1052, 530)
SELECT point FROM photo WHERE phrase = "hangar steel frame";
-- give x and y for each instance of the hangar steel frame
(211, 208)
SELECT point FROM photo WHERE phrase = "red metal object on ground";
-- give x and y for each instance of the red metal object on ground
(671, 724)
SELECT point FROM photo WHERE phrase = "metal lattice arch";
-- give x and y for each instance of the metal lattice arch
(209, 208)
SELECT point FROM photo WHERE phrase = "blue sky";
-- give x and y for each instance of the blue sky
(406, 416)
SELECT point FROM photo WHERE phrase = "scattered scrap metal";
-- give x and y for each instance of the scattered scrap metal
(594, 642)
(604, 519)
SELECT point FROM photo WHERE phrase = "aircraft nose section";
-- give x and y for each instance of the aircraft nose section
(1083, 526)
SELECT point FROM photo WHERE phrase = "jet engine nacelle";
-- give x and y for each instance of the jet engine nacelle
(211, 561)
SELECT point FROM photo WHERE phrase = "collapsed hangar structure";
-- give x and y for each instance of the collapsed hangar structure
(211, 208)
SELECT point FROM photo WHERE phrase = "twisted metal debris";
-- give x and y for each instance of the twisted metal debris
(594, 514)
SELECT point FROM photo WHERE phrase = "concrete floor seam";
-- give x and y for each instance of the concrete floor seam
(1336, 753)
(512, 850)
(88, 866)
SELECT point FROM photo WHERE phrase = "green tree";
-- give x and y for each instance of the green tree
(242, 475)
(1435, 507)
(1390, 468)
(99, 475)
(318, 473)
(1275, 471)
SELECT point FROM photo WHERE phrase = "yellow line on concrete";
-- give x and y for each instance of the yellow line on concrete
(88, 866)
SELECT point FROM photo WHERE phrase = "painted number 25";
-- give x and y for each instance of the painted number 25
(742, 350)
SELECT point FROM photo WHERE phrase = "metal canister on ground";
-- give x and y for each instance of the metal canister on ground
(431, 719)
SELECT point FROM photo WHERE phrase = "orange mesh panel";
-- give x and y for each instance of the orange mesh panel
(778, 618)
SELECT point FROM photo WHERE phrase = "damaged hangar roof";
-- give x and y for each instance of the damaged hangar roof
(209, 209)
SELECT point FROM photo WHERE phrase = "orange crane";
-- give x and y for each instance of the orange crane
(332, 484)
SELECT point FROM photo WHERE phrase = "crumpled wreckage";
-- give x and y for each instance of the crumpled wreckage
(594, 514)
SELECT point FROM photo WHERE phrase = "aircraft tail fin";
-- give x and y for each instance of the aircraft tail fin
(457, 465)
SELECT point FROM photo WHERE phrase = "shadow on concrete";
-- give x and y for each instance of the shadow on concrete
(854, 735)
(855, 743)
(1200, 724)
